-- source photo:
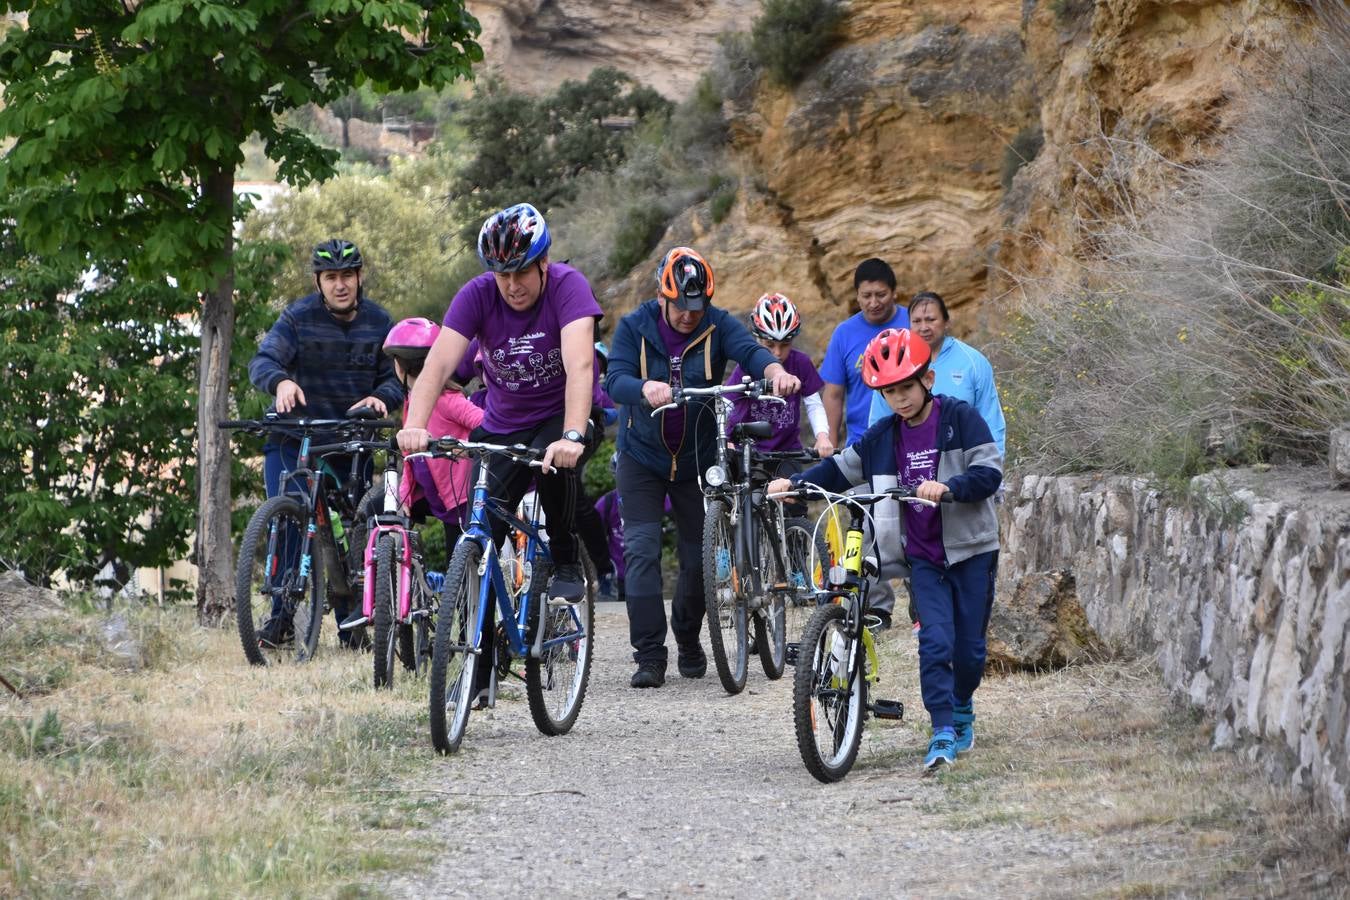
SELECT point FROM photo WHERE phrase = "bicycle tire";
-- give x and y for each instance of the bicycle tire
(452, 658)
(806, 571)
(260, 581)
(386, 598)
(724, 603)
(556, 681)
(771, 617)
(824, 711)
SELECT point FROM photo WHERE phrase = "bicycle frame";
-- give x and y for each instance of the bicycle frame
(391, 522)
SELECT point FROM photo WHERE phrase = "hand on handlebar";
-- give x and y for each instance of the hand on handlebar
(289, 396)
(413, 440)
(656, 393)
(778, 486)
(785, 384)
(371, 402)
(824, 446)
(932, 491)
(562, 454)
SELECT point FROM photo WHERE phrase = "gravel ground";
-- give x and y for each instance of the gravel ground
(685, 791)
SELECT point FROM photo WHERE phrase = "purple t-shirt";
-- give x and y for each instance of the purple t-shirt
(672, 420)
(522, 351)
(916, 459)
(786, 419)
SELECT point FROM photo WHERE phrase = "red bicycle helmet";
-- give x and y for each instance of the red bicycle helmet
(411, 339)
(775, 318)
(893, 356)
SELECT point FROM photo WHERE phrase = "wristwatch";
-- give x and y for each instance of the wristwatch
(573, 435)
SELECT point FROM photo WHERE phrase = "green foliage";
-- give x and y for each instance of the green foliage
(723, 198)
(597, 477)
(398, 221)
(791, 36)
(641, 228)
(1026, 144)
(533, 150)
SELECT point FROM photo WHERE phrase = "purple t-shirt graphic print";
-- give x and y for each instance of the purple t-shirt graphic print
(916, 459)
(786, 418)
(522, 351)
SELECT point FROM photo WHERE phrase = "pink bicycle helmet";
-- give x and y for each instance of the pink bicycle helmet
(411, 339)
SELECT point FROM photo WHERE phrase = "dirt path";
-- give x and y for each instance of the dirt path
(1084, 782)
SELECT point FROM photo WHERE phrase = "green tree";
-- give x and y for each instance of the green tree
(533, 149)
(398, 221)
(129, 120)
(791, 36)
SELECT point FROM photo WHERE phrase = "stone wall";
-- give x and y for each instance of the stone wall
(1243, 595)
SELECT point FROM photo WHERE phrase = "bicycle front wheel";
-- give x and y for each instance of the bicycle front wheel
(386, 600)
(724, 599)
(829, 694)
(452, 655)
(556, 679)
(771, 617)
(279, 613)
(808, 558)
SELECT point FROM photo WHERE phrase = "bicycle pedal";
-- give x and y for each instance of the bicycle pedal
(420, 614)
(793, 650)
(888, 709)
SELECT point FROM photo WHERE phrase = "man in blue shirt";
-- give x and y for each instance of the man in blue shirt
(962, 371)
(874, 282)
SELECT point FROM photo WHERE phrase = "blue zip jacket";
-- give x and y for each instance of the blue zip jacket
(638, 354)
(335, 363)
(969, 463)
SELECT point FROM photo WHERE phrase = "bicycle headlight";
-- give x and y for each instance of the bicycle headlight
(716, 476)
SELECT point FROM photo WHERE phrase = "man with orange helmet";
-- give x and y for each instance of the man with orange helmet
(935, 443)
(678, 339)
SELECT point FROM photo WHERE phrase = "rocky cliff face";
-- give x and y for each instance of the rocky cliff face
(535, 44)
(964, 143)
(1244, 598)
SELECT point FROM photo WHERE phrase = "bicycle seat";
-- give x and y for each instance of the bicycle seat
(754, 430)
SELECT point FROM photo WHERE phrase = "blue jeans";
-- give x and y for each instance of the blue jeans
(954, 603)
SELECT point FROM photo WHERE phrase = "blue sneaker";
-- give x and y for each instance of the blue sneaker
(941, 750)
(963, 719)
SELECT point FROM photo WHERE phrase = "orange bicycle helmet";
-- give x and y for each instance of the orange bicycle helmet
(893, 356)
(685, 278)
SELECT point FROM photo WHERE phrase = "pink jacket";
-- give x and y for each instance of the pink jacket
(454, 416)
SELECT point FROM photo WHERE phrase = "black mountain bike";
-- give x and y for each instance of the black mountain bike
(297, 551)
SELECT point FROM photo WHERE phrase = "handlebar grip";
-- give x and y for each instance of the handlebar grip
(235, 423)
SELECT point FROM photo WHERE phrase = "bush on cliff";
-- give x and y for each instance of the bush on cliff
(790, 36)
(1214, 326)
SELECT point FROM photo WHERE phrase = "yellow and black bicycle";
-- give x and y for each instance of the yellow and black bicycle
(836, 658)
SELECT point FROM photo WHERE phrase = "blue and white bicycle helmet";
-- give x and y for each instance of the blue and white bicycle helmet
(513, 239)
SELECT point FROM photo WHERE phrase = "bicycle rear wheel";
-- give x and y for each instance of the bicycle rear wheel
(724, 599)
(771, 617)
(384, 614)
(808, 558)
(452, 656)
(555, 681)
(829, 695)
(267, 582)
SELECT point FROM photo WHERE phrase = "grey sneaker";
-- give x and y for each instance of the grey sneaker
(568, 585)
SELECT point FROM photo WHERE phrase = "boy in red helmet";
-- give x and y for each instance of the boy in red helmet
(935, 443)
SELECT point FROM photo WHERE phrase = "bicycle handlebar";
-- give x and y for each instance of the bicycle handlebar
(903, 493)
(755, 390)
(784, 455)
(273, 423)
(449, 446)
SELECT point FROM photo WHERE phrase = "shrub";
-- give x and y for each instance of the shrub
(641, 228)
(723, 199)
(1216, 325)
(790, 36)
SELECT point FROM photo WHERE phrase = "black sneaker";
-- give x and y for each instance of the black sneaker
(649, 675)
(276, 632)
(693, 663)
(568, 584)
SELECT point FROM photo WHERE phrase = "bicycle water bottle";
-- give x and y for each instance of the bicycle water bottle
(339, 533)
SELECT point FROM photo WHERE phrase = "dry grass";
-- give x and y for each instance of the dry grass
(1101, 752)
(195, 774)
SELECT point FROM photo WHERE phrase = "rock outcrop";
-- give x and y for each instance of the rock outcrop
(1038, 624)
(1243, 596)
(536, 44)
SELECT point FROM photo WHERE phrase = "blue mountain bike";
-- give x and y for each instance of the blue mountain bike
(554, 638)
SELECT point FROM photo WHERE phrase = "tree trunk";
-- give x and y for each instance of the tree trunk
(214, 549)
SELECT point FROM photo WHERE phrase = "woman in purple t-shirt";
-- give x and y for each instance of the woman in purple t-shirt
(535, 325)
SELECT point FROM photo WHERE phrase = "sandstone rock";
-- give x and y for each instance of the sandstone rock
(19, 599)
(1040, 625)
